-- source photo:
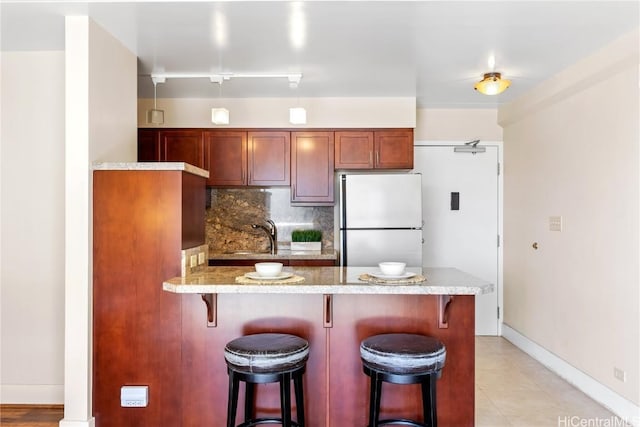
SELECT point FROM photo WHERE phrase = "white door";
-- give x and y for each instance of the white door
(460, 208)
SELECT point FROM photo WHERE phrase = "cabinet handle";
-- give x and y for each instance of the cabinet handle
(377, 158)
(371, 157)
(294, 192)
(242, 177)
(328, 312)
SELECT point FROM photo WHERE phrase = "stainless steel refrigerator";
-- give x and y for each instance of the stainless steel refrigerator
(381, 219)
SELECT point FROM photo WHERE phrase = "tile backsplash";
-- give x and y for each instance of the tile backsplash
(232, 211)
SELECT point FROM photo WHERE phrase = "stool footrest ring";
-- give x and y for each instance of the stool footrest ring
(260, 421)
(401, 422)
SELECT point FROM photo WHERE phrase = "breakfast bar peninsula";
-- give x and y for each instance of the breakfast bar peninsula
(334, 308)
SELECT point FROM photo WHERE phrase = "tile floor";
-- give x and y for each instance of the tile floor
(513, 389)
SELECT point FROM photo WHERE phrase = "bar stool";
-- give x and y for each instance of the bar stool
(403, 359)
(266, 358)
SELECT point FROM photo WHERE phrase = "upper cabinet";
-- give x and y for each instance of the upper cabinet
(173, 145)
(248, 158)
(269, 157)
(312, 168)
(227, 157)
(378, 149)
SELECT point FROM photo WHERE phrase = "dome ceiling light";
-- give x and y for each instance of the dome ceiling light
(492, 84)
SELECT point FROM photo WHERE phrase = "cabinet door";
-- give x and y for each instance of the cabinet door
(354, 150)
(269, 158)
(394, 149)
(148, 145)
(183, 146)
(227, 157)
(312, 167)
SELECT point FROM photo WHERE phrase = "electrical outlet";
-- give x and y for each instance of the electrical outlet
(134, 396)
(201, 259)
(193, 261)
(619, 374)
(555, 223)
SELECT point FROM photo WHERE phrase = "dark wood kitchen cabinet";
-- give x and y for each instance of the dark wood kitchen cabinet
(269, 158)
(238, 158)
(379, 149)
(312, 168)
(227, 157)
(173, 145)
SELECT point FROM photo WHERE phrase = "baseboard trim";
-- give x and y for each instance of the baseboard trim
(88, 423)
(602, 394)
(32, 394)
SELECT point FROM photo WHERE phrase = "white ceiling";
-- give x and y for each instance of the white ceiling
(431, 50)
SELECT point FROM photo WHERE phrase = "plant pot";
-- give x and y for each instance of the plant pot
(306, 246)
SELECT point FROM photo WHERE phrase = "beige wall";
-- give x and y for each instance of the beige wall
(100, 108)
(274, 112)
(457, 125)
(32, 227)
(572, 150)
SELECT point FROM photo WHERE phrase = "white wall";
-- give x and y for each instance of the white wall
(32, 228)
(100, 126)
(572, 150)
(274, 112)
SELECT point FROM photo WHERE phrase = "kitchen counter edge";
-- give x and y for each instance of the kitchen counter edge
(152, 166)
(329, 280)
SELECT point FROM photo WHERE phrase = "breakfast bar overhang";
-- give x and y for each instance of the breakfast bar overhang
(334, 310)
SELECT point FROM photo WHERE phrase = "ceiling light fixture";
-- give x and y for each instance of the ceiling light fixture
(220, 116)
(297, 116)
(492, 84)
(155, 116)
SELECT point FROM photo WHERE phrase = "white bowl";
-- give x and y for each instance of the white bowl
(269, 269)
(392, 268)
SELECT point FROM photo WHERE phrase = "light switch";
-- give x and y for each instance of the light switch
(555, 223)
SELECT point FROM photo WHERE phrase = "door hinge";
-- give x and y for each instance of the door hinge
(498, 168)
(498, 240)
(498, 312)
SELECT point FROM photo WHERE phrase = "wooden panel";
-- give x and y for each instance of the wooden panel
(312, 262)
(184, 146)
(227, 157)
(354, 150)
(269, 156)
(204, 369)
(136, 325)
(193, 208)
(242, 262)
(312, 167)
(356, 317)
(394, 149)
(148, 145)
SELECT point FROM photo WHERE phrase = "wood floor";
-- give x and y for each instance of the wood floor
(30, 416)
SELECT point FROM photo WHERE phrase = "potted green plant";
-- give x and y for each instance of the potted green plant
(306, 240)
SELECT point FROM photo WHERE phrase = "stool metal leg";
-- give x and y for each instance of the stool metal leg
(285, 399)
(249, 399)
(232, 405)
(429, 401)
(374, 399)
(297, 386)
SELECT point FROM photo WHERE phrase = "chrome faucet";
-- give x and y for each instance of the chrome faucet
(272, 232)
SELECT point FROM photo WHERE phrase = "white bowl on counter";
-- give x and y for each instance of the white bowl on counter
(392, 268)
(268, 269)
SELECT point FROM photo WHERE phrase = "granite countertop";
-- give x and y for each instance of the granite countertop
(151, 166)
(329, 280)
(329, 254)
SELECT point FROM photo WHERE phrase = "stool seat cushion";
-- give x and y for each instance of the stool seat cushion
(266, 352)
(403, 353)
